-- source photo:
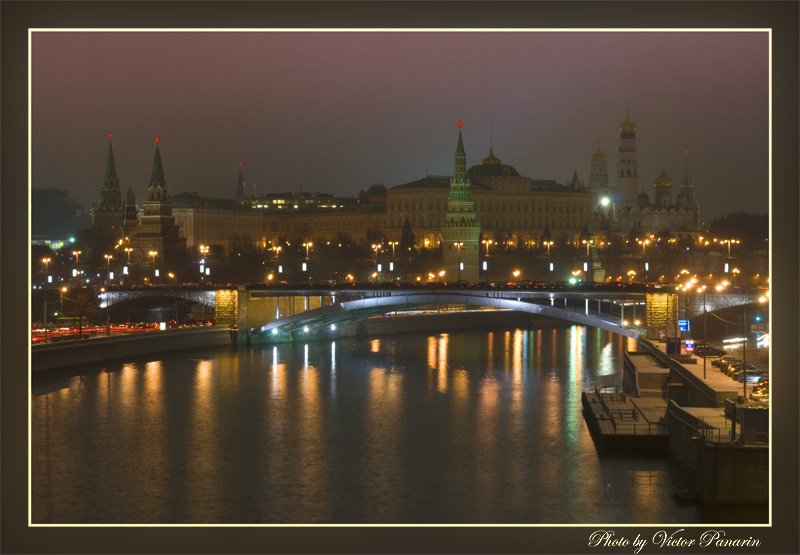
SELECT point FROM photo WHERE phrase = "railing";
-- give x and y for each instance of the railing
(714, 434)
(638, 428)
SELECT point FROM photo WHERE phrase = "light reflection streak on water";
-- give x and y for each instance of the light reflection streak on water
(506, 350)
(375, 345)
(442, 360)
(606, 365)
(517, 380)
(577, 346)
(150, 424)
(550, 414)
(278, 376)
(312, 444)
(383, 450)
(333, 368)
(127, 380)
(487, 438)
(204, 460)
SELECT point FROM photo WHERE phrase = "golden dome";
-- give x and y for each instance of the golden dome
(599, 155)
(627, 126)
(663, 180)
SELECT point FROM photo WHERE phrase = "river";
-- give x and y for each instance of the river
(466, 427)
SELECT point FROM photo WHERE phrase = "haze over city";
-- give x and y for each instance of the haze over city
(335, 112)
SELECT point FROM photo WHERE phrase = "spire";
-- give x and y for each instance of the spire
(460, 172)
(157, 180)
(111, 169)
(240, 184)
(686, 179)
(460, 199)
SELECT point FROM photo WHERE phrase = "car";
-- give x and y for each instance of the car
(726, 366)
(736, 367)
(725, 359)
(706, 351)
(751, 376)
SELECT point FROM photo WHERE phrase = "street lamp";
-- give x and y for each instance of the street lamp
(588, 243)
(376, 247)
(394, 244)
(108, 258)
(705, 319)
(729, 242)
(307, 245)
(548, 244)
(487, 242)
(77, 255)
(154, 254)
(459, 245)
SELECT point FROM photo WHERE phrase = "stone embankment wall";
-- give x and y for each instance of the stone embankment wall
(53, 356)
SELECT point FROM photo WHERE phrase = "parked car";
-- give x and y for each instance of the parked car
(752, 376)
(725, 359)
(761, 389)
(736, 367)
(725, 366)
(708, 351)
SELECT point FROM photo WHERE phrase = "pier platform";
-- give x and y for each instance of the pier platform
(625, 425)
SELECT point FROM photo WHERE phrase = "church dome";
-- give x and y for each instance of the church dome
(663, 180)
(599, 155)
(627, 126)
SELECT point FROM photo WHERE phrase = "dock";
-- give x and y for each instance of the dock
(625, 425)
(701, 419)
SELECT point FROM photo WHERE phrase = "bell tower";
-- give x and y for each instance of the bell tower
(627, 166)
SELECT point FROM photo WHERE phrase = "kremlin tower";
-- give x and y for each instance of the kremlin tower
(107, 213)
(461, 230)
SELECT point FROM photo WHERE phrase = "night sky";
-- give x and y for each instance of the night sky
(335, 112)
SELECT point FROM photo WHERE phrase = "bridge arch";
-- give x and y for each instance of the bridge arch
(206, 297)
(325, 320)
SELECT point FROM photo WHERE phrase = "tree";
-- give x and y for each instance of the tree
(407, 240)
(751, 229)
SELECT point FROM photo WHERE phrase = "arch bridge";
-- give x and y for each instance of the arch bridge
(267, 314)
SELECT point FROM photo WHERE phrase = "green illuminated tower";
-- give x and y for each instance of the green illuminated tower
(461, 230)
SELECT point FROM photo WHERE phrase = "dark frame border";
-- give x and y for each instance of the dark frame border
(17, 17)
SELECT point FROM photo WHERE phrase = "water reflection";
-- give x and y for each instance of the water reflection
(467, 427)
